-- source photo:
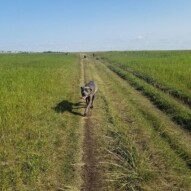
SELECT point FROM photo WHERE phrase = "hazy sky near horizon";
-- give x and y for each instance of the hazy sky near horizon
(82, 25)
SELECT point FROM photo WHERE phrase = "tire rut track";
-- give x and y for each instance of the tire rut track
(90, 172)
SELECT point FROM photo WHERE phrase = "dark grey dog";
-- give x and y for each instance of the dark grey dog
(88, 93)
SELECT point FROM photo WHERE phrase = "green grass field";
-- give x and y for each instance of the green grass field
(166, 70)
(164, 77)
(36, 145)
(137, 136)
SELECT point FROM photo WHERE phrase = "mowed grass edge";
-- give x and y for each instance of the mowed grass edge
(180, 114)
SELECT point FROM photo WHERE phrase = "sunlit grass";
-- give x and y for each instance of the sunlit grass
(168, 70)
(36, 151)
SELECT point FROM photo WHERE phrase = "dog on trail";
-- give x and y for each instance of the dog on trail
(88, 93)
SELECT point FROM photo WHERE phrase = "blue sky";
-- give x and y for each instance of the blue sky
(82, 25)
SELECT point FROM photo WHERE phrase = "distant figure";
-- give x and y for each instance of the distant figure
(84, 56)
(93, 54)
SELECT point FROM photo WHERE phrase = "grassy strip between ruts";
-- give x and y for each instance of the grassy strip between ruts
(122, 158)
(181, 115)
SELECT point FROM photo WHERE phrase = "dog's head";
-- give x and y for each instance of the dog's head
(85, 91)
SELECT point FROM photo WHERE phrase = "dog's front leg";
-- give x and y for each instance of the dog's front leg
(92, 102)
(87, 100)
(88, 106)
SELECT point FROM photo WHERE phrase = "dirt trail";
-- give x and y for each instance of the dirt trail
(90, 174)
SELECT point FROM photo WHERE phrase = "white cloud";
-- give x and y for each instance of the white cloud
(139, 38)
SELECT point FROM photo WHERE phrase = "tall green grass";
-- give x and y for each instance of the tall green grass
(35, 140)
(168, 70)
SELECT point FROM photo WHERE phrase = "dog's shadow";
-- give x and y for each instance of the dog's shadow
(67, 106)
